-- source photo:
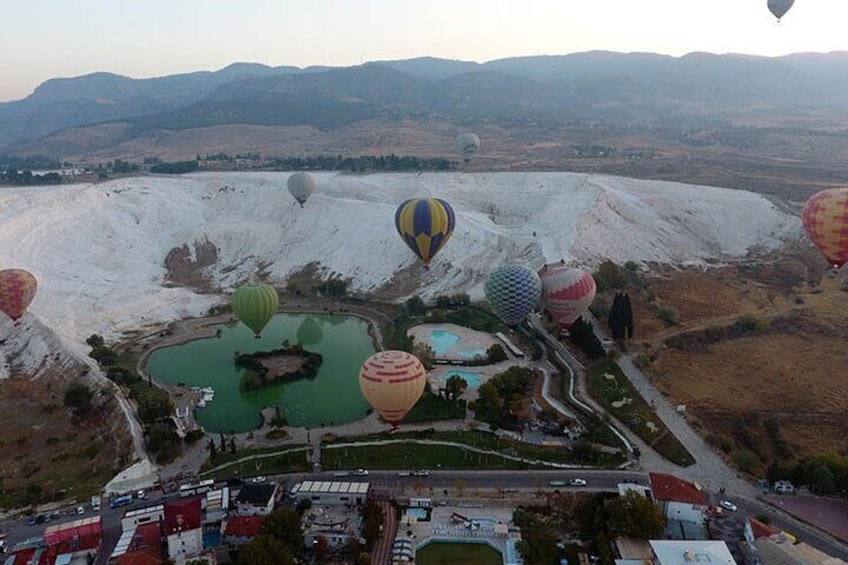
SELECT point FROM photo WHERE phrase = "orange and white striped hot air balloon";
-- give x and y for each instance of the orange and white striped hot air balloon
(17, 289)
(392, 382)
(825, 219)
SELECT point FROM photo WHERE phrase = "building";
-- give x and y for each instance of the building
(73, 543)
(330, 492)
(674, 552)
(183, 528)
(138, 516)
(256, 499)
(680, 500)
(633, 550)
(767, 545)
(641, 490)
(239, 530)
(141, 545)
(337, 524)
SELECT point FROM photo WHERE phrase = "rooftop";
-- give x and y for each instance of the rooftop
(183, 514)
(141, 546)
(260, 494)
(761, 530)
(669, 488)
(244, 526)
(776, 550)
(327, 487)
(691, 551)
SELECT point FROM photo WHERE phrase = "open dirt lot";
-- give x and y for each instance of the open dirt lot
(788, 361)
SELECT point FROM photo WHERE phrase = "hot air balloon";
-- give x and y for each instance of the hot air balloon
(301, 186)
(309, 332)
(392, 382)
(825, 219)
(255, 305)
(17, 289)
(513, 291)
(425, 224)
(779, 7)
(467, 145)
(566, 292)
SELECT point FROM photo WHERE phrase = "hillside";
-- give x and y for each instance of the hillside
(99, 250)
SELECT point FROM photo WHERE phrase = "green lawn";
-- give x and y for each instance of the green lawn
(412, 456)
(283, 463)
(609, 386)
(430, 407)
(441, 553)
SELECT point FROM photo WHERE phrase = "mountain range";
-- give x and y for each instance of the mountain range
(697, 89)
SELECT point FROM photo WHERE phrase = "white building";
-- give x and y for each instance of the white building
(138, 516)
(256, 499)
(672, 552)
(330, 492)
(183, 528)
(680, 500)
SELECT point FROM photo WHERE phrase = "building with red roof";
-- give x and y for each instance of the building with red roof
(239, 530)
(141, 545)
(183, 528)
(68, 542)
(680, 500)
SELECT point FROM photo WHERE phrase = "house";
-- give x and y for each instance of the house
(73, 542)
(138, 516)
(183, 529)
(680, 500)
(239, 530)
(675, 552)
(336, 524)
(633, 550)
(256, 499)
(140, 545)
(767, 545)
(330, 492)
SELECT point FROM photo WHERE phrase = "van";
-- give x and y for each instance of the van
(95, 503)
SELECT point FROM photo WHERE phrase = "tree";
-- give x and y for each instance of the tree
(455, 386)
(321, 547)
(80, 398)
(425, 354)
(266, 549)
(633, 515)
(496, 353)
(822, 480)
(233, 445)
(213, 451)
(415, 306)
(284, 524)
(372, 522)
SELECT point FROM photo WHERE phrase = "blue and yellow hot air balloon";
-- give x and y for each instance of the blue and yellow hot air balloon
(425, 224)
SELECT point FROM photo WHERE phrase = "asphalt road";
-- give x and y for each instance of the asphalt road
(597, 481)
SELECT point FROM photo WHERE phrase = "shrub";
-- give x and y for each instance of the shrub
(746, 460)
(193, 436)
(667, 315)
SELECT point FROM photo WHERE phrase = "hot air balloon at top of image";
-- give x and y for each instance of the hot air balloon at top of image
(779, 7)
(513, 291)
(425, 224)
(467, 145)
(825, 219)
(255, 305)
(392, 382)
(17, 289)
(567, 292)
(301, 185)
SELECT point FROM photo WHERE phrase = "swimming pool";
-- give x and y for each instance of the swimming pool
(420, 514)
(442, 341)
(471, 379)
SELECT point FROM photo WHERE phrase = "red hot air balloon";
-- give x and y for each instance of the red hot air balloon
(17, 289)
(825, 219)
(566, 292)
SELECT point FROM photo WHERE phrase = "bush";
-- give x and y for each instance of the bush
(631, 266)
(667, 315)
(496, 353)
(746, 460)
(80, 399)
(193, 436)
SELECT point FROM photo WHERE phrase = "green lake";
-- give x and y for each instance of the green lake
(332, 397)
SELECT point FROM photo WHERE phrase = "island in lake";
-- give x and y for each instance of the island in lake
(289, 363)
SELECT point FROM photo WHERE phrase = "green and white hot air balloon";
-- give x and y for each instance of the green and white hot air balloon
(255, 305)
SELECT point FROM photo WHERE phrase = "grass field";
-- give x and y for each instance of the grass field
(438, 553)
(225, 468)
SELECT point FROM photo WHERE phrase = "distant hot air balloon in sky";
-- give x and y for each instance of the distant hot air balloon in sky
(255, 305)
(300, 186)
(425, 224)
(467, 145)
(825, 219)
(17, 289)
(392, 382)
(513, 291)
(566, 292)
(779, 7)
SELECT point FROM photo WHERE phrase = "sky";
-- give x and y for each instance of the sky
(44, 39)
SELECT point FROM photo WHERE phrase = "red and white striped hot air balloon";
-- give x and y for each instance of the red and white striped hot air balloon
(17, 289)
(567, 292)
(392, 382)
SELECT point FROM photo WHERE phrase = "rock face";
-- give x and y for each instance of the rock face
(45, 448)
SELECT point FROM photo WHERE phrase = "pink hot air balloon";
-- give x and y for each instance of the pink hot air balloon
(17, 289)
(567, 292)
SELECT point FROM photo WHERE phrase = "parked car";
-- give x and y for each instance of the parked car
(257, 480)
(80, 510)
(360, 473)
(728, 505)
(141, 495)
(421, 473)
(577, 483)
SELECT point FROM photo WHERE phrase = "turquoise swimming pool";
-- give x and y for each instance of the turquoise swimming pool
(443, 340)
(471, 379)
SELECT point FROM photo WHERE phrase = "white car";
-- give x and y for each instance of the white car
(728, 505)
(421, 473)
(80, 510)
(577, 483)
(360, 473)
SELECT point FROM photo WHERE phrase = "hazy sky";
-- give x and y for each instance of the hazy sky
(42, 39)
